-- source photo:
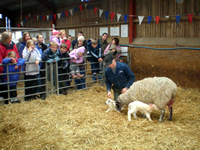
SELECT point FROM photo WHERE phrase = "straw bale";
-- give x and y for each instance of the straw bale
(79, 121)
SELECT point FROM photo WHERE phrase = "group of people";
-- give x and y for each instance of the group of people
(71, 58)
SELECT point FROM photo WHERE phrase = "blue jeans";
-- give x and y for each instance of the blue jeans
(81, 81)
(95, 69)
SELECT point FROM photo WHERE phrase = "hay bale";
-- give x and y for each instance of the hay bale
(79, 121)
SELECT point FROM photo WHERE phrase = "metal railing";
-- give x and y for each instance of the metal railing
(49, 81)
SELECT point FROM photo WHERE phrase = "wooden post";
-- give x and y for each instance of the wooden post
(130, 21)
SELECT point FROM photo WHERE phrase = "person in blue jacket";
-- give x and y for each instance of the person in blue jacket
(118, 75)
(11, 58)
(94, 50)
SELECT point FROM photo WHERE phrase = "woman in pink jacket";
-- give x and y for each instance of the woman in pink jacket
(76, 56)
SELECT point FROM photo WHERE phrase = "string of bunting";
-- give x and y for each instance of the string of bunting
(112, 14)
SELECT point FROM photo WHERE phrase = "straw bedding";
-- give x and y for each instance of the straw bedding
(79, 121)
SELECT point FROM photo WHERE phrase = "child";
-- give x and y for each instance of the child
(31, 54)
(55, 37)
(11, 58)
(94, 49)
(77, 58)
(63, 67)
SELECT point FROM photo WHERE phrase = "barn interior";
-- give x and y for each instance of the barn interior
(161, 38)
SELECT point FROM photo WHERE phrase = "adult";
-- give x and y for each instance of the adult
(40, 42)
(81, 81)
(6, 46)
(75, 42)
(118, 76)
(26, 36)
(103, 42)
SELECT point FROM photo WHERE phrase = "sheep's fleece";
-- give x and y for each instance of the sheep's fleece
(157, 90)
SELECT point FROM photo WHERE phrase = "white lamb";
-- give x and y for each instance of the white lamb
(136, 106)
(160, 91)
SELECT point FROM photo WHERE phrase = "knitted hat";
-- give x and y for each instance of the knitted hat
(54, 32)
(81, 49)
(81, 38)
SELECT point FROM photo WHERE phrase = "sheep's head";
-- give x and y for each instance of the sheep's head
(153, 107)
(111, 104)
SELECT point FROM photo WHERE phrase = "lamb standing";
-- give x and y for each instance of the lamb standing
(160, 91)
(136, 106)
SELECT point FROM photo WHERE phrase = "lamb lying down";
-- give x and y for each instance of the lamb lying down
(136, 106)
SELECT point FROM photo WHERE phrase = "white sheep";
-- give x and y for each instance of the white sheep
(158, 90)
(136, 106)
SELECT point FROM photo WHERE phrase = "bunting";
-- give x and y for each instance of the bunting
(178, 19)
(100, 12)
(95, 10)
(71, 11)
(59, 14)
(112, 14)
(47, 16)
(106, 14)
(125, 18)
(66, 13)
(81, 8)
(149, 19)
(190, 17)
(118, 16)
(140, 18)
(157, 19)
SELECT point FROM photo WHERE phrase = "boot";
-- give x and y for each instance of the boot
(80, 75)
(74, 76)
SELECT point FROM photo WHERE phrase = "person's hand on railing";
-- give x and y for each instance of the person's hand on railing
(100, 59)
(16, 67)
(50, 61)
(56, 59)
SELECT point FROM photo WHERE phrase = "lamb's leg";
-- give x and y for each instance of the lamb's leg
(134, 114)
(162, 114)
(108, 110)
(129, 115)
(170, 113)
(148, 116)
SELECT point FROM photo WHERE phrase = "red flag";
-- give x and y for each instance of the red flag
(95, 10)
(34, 16)
(81, 8)
(27, 17)
(66, 13)
(112, 14)
(18, 25)
(44, 17)
(190, 17)
(54, 16)
(157, 19)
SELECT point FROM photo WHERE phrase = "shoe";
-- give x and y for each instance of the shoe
(80, 75)
(15, 101)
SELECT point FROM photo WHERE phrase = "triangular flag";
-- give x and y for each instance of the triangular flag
(95, 10)
(18, 25)
(149, 19)
(157, 19)
(140, 18)
(178, 19)
(190, 17)
(81, 7)
(100, 12)
(125, 18)
(118, 16)
(106, 14)
(37, 17)
(22, 24)
(24, 20)
(51, 16)
(76, 9)
(47, 17)
(90, 7)
(58, 14)
(86, 5)
(27, 17)
(34, 16)
(41, 17)
(71, 11)
(66, 13)
(44, 17)
(112, 14)
(54, 16)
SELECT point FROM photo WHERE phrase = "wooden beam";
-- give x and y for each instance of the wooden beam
(130, 21)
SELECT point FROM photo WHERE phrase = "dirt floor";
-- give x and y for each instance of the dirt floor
(79, 121)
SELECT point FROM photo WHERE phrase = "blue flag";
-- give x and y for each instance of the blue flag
(90, 7)
(149, 19)
(125, 18)
(178, 19)
(25, 20)
(63, 14)
(41, 17)
(106, 14)
(76, 9)
(51, 17)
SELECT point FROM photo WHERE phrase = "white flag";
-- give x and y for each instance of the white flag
(37, 17)
(71, 11)
(29, 15)
(140, 18)
(22, 24)
(118, 16)
(58, 15)
(86, 5)
(47, 17)
(100, 12)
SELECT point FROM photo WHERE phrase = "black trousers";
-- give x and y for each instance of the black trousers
(12, 93)
(29, 84)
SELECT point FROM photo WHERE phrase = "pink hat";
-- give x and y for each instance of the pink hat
(81, 49)
(55, 32)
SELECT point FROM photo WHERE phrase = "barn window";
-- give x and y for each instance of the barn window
(7, 23)
(85, 0)
(1, 16)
